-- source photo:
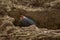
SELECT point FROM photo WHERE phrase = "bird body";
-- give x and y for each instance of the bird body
(26, 21)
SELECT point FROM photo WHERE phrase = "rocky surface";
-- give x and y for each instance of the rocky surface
(45, 13)
(8, 31)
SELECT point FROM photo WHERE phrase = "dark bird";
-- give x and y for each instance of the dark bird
(25, 21)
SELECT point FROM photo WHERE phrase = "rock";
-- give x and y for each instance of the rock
(46, 13)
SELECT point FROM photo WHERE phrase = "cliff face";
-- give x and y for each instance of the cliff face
(46, 14)
(8, 31)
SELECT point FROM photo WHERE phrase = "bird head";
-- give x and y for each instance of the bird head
(22, 17)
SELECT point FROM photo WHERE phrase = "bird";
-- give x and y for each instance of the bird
(25, 21)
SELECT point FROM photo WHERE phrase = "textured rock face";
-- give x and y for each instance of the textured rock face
(47, 15)
(10, 32)
(45, 12)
